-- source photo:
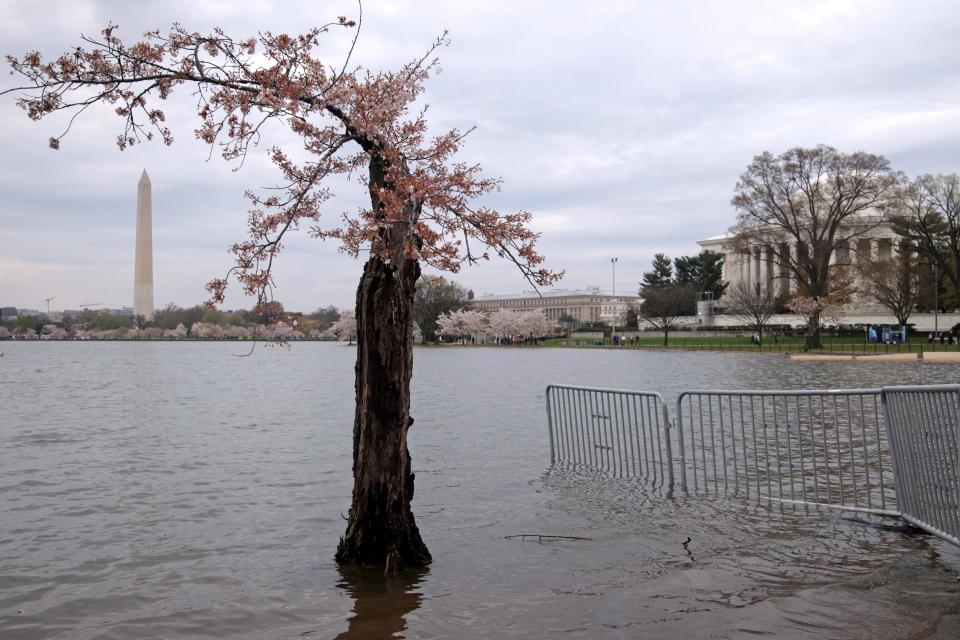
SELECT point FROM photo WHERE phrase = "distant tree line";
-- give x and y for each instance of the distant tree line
(670, 289)
(269, 322)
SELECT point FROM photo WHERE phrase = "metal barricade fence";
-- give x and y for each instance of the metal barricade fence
(892, 451)
(623, 432)
(924, 427)
(809, 447)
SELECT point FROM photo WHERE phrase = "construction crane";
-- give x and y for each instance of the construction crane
(92, 304)
(48, 305)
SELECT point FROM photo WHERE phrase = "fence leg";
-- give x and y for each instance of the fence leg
(667, 428)
(553, 456)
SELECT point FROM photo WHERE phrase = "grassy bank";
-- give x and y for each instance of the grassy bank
(831, 344)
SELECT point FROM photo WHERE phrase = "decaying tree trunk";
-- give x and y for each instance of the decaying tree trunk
(381, 530)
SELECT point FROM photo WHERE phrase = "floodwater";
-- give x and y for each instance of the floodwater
(172, 490)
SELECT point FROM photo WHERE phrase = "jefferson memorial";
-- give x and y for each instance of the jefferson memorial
(874, 239)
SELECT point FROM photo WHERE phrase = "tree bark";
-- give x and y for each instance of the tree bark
(813, 332)
(381, 529)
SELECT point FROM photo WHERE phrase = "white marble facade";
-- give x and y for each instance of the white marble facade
(758, 267)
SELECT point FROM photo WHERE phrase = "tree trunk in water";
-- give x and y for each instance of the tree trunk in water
(380, 528)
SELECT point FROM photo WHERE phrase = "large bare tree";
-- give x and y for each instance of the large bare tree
(756, 304)
(894, 283)
(351, 122)
(806, 208)
(927, 213)
(665, 307)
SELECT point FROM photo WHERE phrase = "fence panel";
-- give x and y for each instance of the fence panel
(924, 429)
(812, 447)
(622, 432)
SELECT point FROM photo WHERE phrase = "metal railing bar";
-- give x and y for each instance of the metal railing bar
(776, 438)
(791, 393)
(853, 459)
(833, 448)
(660, 432)
(941, 458)
(743, 447)
(841, 507)
(879, 439)
(666, 427)
(930, 529)
(756, 448)
(683, 449)
(638, 435)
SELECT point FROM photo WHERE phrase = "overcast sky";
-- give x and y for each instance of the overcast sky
(621, 125)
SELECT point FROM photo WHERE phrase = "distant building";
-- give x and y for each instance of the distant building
(8, 313)
(757, 268)
(590, 305)
(125, 311)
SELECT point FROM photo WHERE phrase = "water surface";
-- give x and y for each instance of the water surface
(172, 490)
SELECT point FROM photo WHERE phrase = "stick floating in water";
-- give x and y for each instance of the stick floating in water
(544, 536)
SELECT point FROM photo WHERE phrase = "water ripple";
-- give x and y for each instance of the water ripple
(173, 491)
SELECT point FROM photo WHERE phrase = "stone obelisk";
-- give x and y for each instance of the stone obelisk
(143, 262)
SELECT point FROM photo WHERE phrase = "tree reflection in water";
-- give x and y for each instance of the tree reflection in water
(380, 603)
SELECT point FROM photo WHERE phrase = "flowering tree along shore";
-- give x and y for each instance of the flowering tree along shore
(502, 324)
(356, 123)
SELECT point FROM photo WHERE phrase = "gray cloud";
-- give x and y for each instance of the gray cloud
(622, 127)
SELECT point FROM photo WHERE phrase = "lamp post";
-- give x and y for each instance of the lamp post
(613, 266)
(936, 300)
(936, 295)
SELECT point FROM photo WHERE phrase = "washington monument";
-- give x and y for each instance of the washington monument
(143, 261)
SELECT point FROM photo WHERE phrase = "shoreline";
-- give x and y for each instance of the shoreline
(830, 352)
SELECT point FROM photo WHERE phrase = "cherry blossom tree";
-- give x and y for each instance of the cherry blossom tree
(826, 309)
(345, 328)
(281, 331)
(534, 324)
(237, 332)
(357, 123)
(179, 332)
(206, 330)
(54, 331)
(475, 322)
(504, 323)
(447, 325)
(463, 323)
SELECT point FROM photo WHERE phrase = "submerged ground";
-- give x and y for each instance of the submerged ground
(175, 491)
